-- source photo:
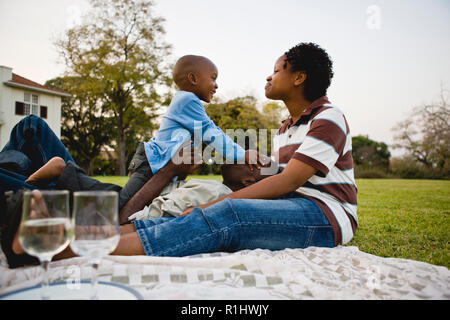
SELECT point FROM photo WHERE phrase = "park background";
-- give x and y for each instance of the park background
(392, 76)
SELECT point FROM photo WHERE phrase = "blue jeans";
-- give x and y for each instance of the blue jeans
(33, 137)
(236, 224)
(32, 143)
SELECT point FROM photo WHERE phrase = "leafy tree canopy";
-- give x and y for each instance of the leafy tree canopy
(119, 53)
(367, 152)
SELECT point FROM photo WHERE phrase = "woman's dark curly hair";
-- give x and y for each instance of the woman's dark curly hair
(317, 65)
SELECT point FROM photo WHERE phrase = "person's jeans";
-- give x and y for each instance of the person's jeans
(31, 139)
(236, 224)
(140, 173)
(33, 143)
(12, 181)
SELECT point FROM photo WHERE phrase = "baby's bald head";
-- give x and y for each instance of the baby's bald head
(189, 64)
(194, 73)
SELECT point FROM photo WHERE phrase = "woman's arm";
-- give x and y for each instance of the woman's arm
(290, 179)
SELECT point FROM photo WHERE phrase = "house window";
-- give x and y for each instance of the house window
(30, 105)
(35, 104)
(44, 112)
(20, 108)
(26, 105)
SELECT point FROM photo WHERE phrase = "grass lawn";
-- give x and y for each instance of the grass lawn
(404, 219)
(397, 218)
(119, 180)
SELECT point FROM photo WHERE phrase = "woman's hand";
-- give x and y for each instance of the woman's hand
(255, 160)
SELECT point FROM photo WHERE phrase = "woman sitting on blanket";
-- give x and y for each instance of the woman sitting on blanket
(312, 202)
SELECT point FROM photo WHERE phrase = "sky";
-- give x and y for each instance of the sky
(389, 56)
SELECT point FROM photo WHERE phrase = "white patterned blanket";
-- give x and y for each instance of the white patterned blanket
(343, 272)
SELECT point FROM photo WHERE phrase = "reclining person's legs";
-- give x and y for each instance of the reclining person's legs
(35, 139)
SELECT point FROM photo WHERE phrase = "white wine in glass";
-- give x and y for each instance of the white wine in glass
(46, 228)
(95, 217)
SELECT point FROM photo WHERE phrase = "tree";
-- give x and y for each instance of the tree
(369, 153)
(119, 50)
(242, 113)
(425, 135)
(84, 127)
(275, 112)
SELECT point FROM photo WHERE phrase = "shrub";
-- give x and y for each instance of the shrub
(103, 167)
(370, 172)
(409, 168)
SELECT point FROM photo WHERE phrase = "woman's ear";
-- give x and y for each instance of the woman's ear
(299, 78)
(192, 78)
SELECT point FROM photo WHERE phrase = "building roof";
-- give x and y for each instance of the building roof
(21, 82)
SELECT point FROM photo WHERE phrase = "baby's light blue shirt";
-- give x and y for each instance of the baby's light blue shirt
(185, 115)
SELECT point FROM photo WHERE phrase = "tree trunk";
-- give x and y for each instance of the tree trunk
(90, 170)
(122, 155)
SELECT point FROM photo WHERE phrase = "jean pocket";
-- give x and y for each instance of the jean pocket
(135, 164)
(138, 159)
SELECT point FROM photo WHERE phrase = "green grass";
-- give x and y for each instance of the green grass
(121, 181)
(217, 177)
(404, 219)
(397, 218)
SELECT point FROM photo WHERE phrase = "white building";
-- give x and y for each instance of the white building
(20, 97)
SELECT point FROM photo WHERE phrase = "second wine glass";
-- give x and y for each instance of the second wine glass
(95, 217)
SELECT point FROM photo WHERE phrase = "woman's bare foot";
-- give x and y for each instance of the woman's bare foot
(52, 169)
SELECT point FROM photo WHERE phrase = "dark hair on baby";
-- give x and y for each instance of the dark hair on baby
(317, 65)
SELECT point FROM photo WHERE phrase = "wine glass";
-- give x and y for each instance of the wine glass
(45, 229)
(95, 217)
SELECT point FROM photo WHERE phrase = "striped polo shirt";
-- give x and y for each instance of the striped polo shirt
(321, 138)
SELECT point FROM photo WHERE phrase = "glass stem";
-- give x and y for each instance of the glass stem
(94, 281)
(45, 295)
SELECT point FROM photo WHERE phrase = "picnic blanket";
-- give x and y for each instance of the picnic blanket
(343, 272)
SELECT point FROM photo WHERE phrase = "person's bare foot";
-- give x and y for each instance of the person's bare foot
(37, 204)
(38, 209)
(16, 247)
(52, 169)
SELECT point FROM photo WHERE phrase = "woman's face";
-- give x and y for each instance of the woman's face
(281, 81)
